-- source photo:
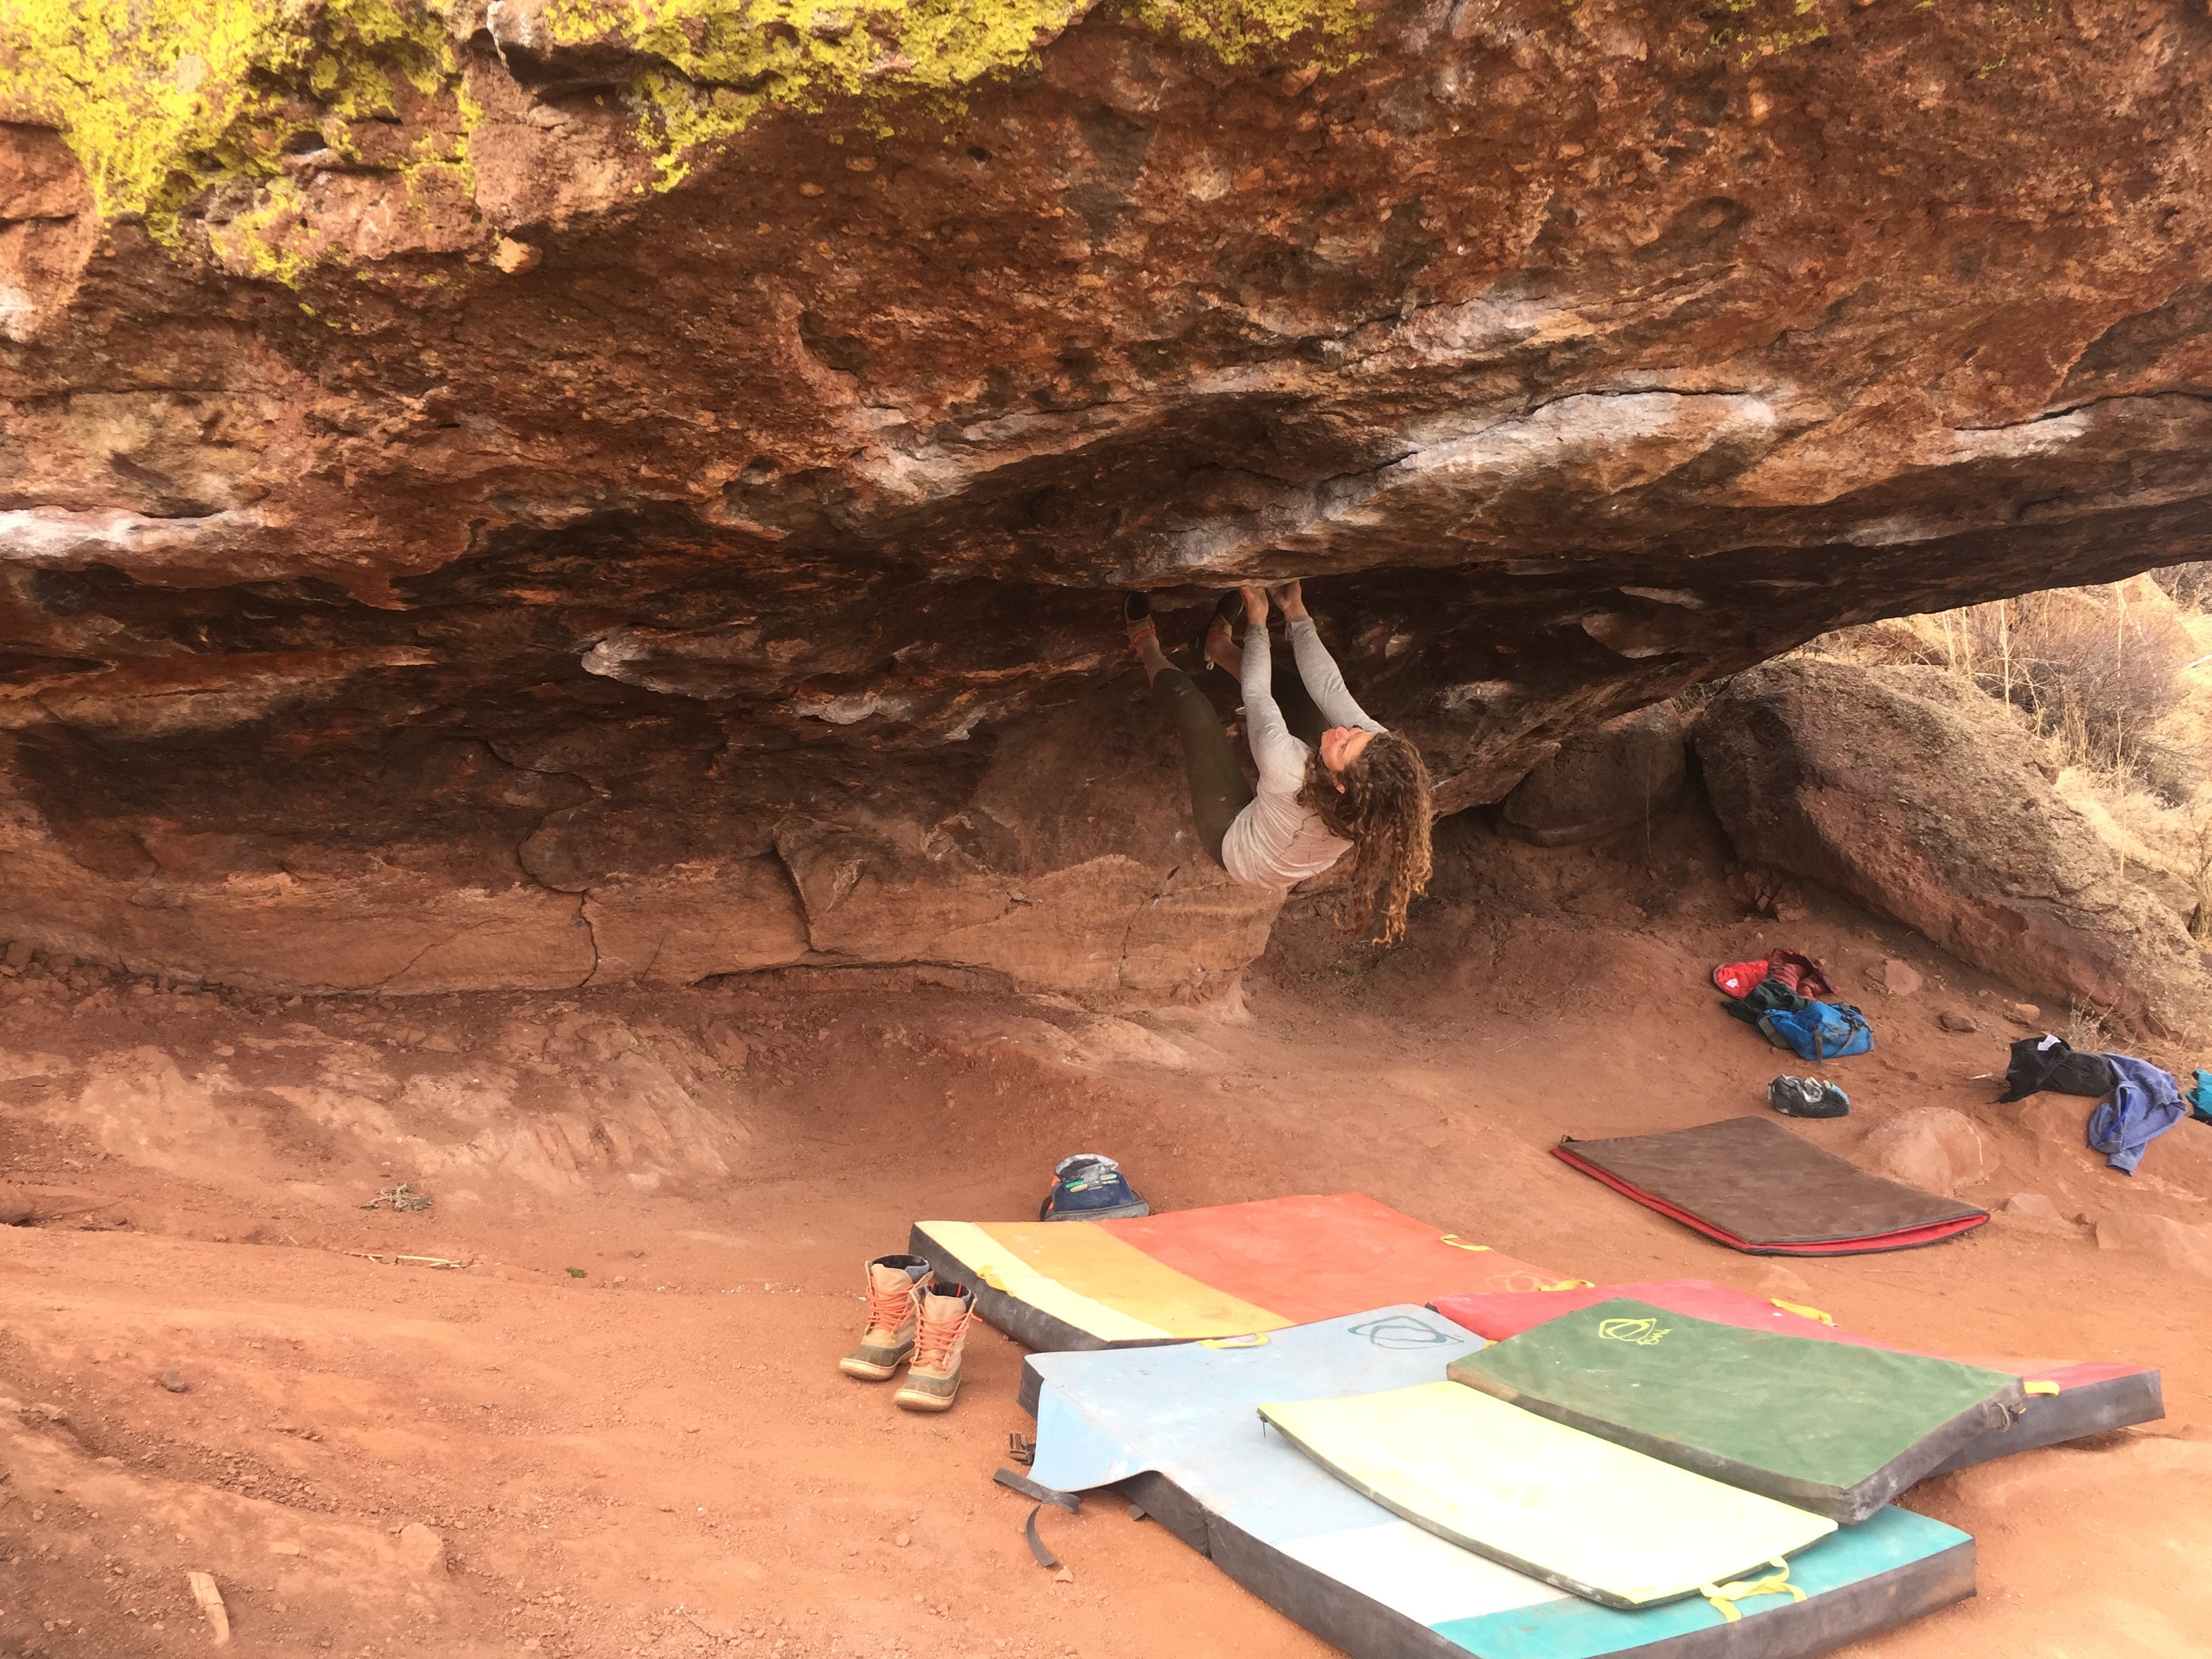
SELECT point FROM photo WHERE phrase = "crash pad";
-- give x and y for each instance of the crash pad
(1755, 1186)
(1228, 1270)
(2066, 1398)
(1574, 1509)
(1173, 1429)
(1836, 1428)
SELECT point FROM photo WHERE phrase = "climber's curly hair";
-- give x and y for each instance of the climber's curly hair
(1385, 810)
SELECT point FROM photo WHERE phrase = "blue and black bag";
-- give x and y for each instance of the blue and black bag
(1819, 1030)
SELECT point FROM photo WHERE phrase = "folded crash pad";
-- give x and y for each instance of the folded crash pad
(1229, 1270)
(1836, 1428)
(1754, 1186)
(2066, 1398)
(1173, 1429)
(1574, 1509)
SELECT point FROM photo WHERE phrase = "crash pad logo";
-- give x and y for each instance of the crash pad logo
(1642, 1332)
(1400, 1331)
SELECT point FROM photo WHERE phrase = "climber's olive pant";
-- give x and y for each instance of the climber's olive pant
(1219, 787)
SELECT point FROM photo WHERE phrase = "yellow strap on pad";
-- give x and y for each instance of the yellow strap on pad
(1724, 1597)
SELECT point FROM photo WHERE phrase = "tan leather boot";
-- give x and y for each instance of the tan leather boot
(895, 1285)
(933, 1375)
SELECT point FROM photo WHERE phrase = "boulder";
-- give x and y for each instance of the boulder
(1934, 1148)
(1923, 799)
(628, 512)
(1609, 779)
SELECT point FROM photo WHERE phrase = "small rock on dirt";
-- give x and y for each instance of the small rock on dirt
(421, 1548)
(210, 1603)
(2035, 1213)
(1899, 979)
(1778, 1280)
(14, 1212)
(2024, 1013)
(175, 1381)
(19, 953)
(727, 1044)
(1952, 1020)
(2175, 1245)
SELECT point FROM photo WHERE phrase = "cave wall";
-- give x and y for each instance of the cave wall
(557, 493)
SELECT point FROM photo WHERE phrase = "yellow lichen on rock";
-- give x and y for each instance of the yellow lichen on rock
(1237, 30)
(158, 99)
(132, 87)
(728, 61)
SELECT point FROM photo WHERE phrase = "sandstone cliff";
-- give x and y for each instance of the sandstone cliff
(514, 493)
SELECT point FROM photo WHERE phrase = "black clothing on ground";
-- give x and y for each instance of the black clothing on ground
(2046, 1062)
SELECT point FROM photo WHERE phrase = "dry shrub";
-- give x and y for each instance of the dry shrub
(2190, 585)
(2196, 864)
(1901, 640)
(2085, 1029)
(2100, 676)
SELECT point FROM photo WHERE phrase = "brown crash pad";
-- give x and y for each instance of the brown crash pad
(1754, 1186)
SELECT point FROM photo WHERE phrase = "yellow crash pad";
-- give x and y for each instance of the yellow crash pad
(1566, 1507)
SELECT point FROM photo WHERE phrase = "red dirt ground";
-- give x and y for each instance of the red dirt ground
(618, 1429)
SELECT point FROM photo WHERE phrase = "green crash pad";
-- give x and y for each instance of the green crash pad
(1829, 1427)
(1570, 1509)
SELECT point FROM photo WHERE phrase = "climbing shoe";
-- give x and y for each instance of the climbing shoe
(896, 1283)
(1089, 1187)
(1227, 611)
(1807, 1097)
(932, 1375)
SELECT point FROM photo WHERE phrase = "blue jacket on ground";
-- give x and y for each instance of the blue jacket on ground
(2147, 1103)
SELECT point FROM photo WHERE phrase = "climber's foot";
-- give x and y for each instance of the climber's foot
(1144, 637)
(1219, 643)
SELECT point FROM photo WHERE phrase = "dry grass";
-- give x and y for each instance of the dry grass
(2116, 681)
(2103, 674)
(2085, 1030)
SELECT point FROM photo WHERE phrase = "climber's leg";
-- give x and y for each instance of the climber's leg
(1219, 787)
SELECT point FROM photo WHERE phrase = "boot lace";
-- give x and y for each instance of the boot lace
(889, 1309)
(933, 1340)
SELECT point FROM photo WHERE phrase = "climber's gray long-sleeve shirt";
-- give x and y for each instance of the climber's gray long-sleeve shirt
(1276, 843)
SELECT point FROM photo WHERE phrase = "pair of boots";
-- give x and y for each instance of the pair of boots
(915, 1321)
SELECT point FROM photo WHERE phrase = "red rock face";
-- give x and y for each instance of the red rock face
(566, 579)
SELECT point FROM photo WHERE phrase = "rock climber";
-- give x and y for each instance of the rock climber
(1331, 778)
